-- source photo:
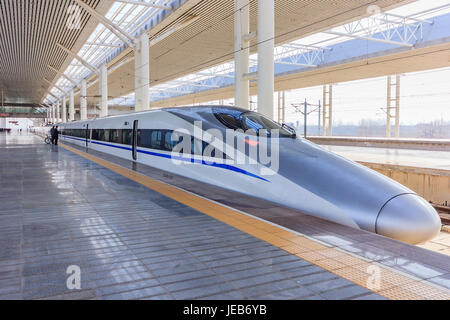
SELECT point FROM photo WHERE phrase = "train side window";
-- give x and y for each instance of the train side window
(112, 135)
(138, 140)
(126, 136)
(116, 136)
(144, 138)
(94, 134)
(156, 142)
(219, 155)
(106, 136)
(100, 134)
(196, 147)
(168, 143)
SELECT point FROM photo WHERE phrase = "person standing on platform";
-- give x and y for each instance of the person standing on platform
(52, 134)
(55, 136)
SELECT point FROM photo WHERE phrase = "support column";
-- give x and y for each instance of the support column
(145, 71)
(58, 112)
(266, 33)
(327, 119)
(104, 91)
(397, 106)
(330, 111)
(388, 107)
(142, 73)
(64, 110)
(282, 107)
(71, 107)
(393, 103)
(53, 114)
(137, 72)
(242, 53)
(83, 100)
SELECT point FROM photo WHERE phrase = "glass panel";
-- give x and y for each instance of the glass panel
(156, 142)
(257, 122)
(168, 143)
(197, 147)
(126, 136)
(144, 138)
(106, 136)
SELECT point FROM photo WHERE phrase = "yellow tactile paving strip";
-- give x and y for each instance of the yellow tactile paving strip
(392, 285)
(439, 244)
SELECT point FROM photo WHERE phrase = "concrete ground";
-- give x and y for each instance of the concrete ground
(61, 211)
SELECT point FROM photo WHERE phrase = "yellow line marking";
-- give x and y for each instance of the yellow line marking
(393, 285)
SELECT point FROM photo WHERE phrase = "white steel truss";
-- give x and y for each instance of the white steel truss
(384, 27)
(299, 55)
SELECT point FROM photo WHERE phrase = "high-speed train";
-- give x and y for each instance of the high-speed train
(306, 177)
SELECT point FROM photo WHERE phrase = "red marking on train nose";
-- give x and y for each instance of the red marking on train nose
(251, 142)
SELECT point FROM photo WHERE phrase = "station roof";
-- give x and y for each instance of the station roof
(194, 35)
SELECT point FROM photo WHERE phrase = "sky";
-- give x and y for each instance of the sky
(424, 97)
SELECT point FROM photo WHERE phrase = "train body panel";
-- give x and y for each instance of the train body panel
(308, 178)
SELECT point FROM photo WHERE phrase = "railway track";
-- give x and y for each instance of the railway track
(444, 213)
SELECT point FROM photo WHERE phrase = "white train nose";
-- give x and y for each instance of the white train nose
(408, 218)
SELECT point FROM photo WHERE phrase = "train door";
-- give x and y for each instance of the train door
(87, 135)
(134, 138)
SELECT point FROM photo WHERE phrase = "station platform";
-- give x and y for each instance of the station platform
(388, 143)
(433, 160)
(141, 233)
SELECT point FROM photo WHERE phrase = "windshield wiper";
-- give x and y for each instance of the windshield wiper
(290, 129)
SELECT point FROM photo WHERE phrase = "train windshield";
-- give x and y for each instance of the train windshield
(234, 119)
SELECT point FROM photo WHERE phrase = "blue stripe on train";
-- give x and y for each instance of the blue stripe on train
(161, 155)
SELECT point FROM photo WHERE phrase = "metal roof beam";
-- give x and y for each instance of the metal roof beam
(61, 74)
(145, 4)
(122, 35)
(54, 85)
(48, 91)
(102, 44)
(169, 90)
(194, 84)
(296, 64)
(214, 75)
(397, 43)
(76, 56)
